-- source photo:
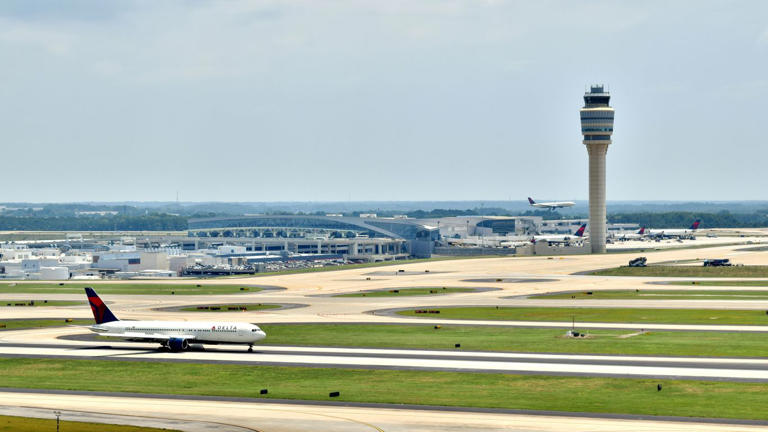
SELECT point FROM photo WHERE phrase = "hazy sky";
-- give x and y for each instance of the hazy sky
(378, 100)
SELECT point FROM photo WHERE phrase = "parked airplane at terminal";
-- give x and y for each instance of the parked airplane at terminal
(675, 233)
(551, 205)
(561, 238)
(640, 234)
(174, 335)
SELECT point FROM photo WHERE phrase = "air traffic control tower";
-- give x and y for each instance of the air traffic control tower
(597, 127)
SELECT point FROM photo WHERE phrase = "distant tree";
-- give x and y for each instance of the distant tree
(680, 219)
(121, 222)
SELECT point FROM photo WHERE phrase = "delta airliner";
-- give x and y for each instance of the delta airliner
(173, 335)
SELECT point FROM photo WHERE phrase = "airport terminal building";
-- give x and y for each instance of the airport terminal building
(351, 236)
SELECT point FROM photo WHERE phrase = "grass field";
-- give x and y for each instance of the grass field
(407, 292)
(485, 338)
(26, 424)
(686, 271)
(230, 307)
(574, 394)
(650, 294)
(733, 283)
(38, 303)
(33, 323)
(617, 315)
(124, 288)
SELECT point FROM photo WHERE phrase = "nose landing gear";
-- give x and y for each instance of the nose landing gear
(250, 348)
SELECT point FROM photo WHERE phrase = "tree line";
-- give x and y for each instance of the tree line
(149, 222)
(168, 222)
(681, 219)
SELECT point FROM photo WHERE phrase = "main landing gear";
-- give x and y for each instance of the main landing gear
(250, 348)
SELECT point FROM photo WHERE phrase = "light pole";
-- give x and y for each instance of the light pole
(58, 415)
(467, 230)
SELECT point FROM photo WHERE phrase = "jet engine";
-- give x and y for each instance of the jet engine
(178, 344)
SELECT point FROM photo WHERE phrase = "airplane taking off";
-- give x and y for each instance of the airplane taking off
(669, 233)
(561, 238)
(174, 335)
(551, 205)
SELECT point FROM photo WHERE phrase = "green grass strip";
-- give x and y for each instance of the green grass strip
(572, 394)
(399, 292)
(21, 324)
(614, 315)
(26, 424)
(686, 271)
(124, 288)
(734, 283)
(650, 294)
(38, 303)
(515, 339)
(230, 307)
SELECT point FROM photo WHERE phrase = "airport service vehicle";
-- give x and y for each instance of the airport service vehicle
(675, 233)
(638, 262)
(561, 238)
(551, 205)
(173, 335)
(724, 262)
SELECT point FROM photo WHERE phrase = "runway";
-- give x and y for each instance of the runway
(264, 416)
(728, 369)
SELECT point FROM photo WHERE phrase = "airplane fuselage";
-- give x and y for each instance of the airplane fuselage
(553, 205)
(199, 332)
(671, 233)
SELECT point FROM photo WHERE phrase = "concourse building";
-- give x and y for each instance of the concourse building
(331, 233)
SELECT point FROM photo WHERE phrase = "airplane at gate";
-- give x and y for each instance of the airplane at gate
(640, 234)
(550, 205)
(675, 233)
(579, 234)
(174, 335)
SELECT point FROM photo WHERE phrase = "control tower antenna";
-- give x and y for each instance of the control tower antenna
(597, 128)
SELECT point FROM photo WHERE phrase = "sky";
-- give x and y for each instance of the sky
(312, 100)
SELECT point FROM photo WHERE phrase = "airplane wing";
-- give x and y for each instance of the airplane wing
(154, 337)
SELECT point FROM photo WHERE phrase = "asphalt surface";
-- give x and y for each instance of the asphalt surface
(115, 419)
(274, 415)
(755, 370)
(520, 277)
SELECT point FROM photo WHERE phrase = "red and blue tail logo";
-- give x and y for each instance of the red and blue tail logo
(580, 232)
(695, 225)
(101, 312)
(642, 231)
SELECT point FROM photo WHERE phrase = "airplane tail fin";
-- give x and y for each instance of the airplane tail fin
(695, 225)
(101, 312)
(642, 231)
(580, 232)
(531, 201)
